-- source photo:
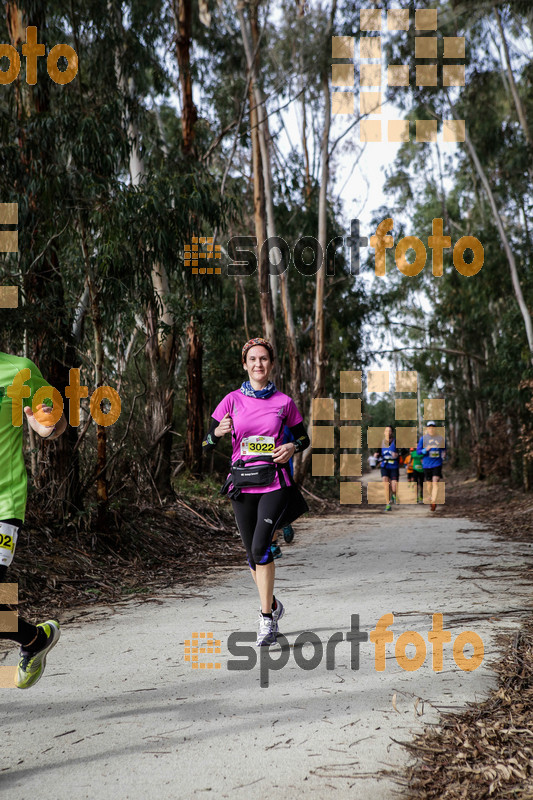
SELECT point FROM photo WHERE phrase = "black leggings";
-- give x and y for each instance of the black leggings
(258, 516)
(26, 632)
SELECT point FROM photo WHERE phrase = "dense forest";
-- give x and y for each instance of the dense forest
(175, 128)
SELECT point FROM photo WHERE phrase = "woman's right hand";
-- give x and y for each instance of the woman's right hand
(224, 426)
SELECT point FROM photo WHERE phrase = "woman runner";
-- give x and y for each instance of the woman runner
(256, 415)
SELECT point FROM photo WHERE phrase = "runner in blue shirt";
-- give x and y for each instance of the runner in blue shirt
(431, 447)
(390, 466)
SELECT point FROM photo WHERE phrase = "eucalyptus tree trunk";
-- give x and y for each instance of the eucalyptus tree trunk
(260, 176)
(161, 348)
(303, 103)
(264, 144)
(56, 467)
(182, 10)
(102, 493)
(320, 358)
(265, 296)
(524, 310)
(520, 110)
(320, 348)
(259, 125)
(472, 418)
(192, 455)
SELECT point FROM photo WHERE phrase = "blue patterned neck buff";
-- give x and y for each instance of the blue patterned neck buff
(261, 394)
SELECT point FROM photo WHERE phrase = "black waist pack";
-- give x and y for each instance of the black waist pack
(246, 474)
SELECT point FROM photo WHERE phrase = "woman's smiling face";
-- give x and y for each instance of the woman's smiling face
(258, 364)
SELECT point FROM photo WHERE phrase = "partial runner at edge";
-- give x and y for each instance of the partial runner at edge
(20, 373)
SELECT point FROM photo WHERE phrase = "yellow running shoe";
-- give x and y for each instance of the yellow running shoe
(31, 665)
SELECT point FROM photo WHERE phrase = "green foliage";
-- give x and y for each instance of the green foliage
(466, 336)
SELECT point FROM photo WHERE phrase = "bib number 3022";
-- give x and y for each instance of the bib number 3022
(253, 445)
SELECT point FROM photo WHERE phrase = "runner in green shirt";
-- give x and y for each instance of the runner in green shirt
(20, 380)
(418, 473)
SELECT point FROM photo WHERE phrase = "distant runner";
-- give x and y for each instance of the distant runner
(275, 549)
(288, 531)
(16, 375)
(431, 447)
(418, 473)
(390, 469)
(263, 494)
(408, 461)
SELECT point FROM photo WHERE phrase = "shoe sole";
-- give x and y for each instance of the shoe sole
(55, 627)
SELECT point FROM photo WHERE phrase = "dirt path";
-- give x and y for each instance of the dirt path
(121, 715)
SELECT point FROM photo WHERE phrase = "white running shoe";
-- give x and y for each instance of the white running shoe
(267, 631)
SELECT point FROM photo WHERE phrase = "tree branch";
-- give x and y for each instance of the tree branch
(448, 350)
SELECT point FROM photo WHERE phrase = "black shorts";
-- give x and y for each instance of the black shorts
(258, 516)
(432, 472)
(392, 474)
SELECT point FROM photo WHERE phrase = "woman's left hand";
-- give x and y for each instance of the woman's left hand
(284, 453)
